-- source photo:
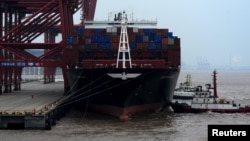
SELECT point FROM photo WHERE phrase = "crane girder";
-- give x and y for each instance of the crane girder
(23, 21)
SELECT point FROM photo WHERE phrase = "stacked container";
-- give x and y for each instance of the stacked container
(148, 43)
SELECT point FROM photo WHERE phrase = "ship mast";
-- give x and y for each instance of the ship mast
(215, 85)
(124, 49)
(188, 80)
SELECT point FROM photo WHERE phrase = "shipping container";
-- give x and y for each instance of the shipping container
(132, 45)
(94, 38)
(135, 29)
(164, 41)
(69, 40)
(80, 30)
(145, 38)
(170, 34)
(139, 38)
(144, 44)
(170, 41)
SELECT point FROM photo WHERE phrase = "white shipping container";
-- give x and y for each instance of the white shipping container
(114, 29)
(135, 29)
(170, 41)
(109, 29)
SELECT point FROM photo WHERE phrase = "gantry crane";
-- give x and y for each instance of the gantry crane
(22, 21)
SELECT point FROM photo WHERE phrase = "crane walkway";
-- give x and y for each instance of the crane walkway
(35, 106)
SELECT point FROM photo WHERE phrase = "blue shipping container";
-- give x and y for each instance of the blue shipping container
(148, 31)
(158, 45)
(170, 34)
(157, 38)
(132, 45)
(69, 40)
(87, 46)
(139, 38)
(152, 45)
(98, 30)
(151, 37)
(80, 30)
(107, 45)
(93, 38)
(107, 39)
(100, 39)
(104, 45)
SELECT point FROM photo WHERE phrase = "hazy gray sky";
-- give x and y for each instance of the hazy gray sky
(216, 31)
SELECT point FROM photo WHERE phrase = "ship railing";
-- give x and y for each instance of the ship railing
(98, 24)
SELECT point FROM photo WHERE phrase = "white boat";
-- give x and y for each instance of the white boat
(185, 90)
(207, 100)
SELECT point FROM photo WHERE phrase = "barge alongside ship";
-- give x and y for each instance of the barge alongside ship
(123, 68)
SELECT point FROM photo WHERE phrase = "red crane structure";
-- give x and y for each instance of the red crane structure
(22, 21)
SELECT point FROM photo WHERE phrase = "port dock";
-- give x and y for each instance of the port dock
(35, 106)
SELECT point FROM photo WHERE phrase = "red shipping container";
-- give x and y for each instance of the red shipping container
(114, 46)
(164, 41)
(115, 39)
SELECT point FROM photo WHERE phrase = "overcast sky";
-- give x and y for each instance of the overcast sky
(213, 31)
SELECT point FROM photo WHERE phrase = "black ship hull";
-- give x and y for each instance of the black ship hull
(122, 92)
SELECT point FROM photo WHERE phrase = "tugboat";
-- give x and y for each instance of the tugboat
(206, 100)
(185, 90)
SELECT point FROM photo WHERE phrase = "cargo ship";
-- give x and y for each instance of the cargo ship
(124, 67)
